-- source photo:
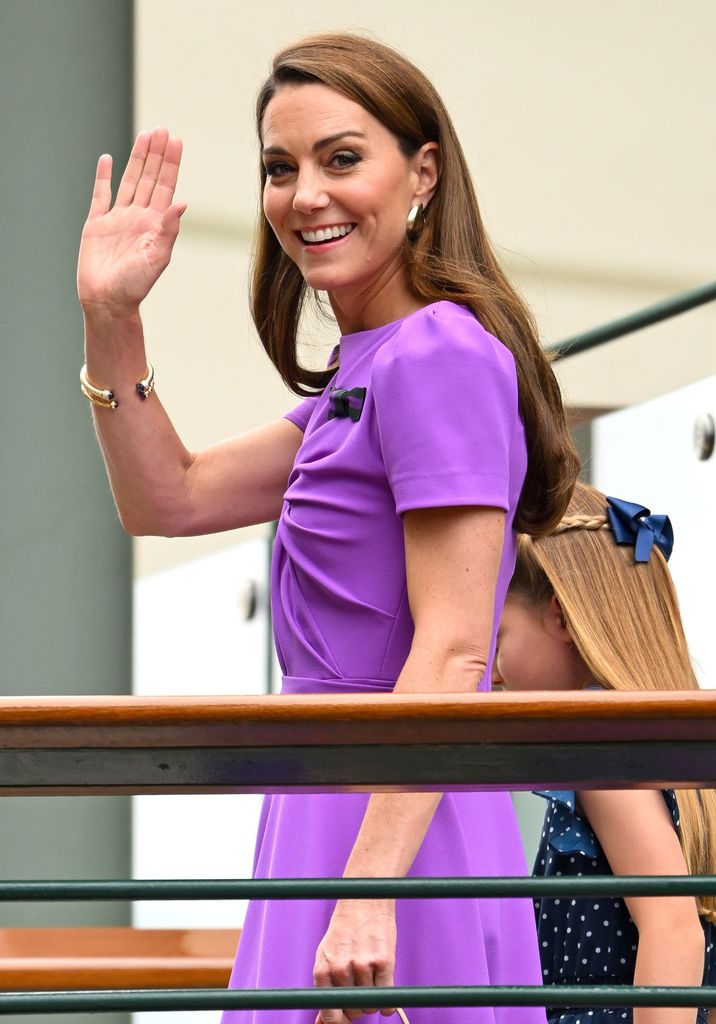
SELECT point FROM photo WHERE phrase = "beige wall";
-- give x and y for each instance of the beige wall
(589, 128)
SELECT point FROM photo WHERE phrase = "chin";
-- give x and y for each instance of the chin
(326, 281)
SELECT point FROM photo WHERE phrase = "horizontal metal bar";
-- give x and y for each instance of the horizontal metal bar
(339, 768)
(664, 310)
(355, 888)
(315, 998)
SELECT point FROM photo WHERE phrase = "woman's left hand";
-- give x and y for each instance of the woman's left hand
(357, 949)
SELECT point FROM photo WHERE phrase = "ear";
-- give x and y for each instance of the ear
(554, 620)
(427, 166)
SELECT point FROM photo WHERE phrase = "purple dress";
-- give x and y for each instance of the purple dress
(438, 425)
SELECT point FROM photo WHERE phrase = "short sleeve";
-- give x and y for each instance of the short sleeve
(302, 413)
(446, 402)
(568, 832)
(673, 807)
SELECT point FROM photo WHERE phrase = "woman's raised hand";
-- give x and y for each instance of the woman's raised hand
(125, 247)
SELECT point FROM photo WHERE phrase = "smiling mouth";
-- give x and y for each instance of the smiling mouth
(327, 234)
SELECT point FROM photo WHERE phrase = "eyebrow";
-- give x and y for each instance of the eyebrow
(329, 140)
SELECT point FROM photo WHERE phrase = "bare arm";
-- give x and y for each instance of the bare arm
(452, 562)
(638, 838)
(159, 487)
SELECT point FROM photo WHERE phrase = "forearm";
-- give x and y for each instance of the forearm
(452, 558)
(669, 958)
(395, 824)
(146, 462)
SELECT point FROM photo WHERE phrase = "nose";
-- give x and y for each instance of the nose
(310, 193)
(495, 678)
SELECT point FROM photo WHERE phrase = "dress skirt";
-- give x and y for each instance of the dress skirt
(440, 941)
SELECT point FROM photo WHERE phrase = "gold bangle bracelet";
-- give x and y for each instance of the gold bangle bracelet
(145, 386)
(104, 397)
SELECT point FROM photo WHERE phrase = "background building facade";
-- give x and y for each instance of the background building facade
(590, 133)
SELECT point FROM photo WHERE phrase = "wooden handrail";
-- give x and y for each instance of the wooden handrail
(101, 745)
(41, 959)
(312, 718)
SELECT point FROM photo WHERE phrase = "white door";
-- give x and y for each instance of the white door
(201, 628)
(646, 454)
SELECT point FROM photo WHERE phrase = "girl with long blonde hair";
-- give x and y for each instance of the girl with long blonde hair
(593, 605)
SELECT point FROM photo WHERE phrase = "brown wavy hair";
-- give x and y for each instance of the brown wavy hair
(624, 619)
(452, 259)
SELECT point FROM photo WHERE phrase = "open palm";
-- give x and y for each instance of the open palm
(125, 247)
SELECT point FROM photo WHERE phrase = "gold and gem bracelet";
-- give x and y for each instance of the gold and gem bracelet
(104, 397)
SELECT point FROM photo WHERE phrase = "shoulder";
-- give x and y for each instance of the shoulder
(444, 335)
(636, 830)
(565, 831)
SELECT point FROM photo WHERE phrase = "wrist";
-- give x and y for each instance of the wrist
(109, 316)
(351, 907)
(114, 342)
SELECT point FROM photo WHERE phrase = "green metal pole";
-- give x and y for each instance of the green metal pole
(357, 888)
(634, 322)
(315, 998)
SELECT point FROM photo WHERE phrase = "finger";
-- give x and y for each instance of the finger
(331, 1017)
(102, 193)
(172, 219)
(384, 967)
(324, 977)
(133, 170)
(167, 177)
(364, 975)
(383, 971)
(326, 1016)
(150, 171)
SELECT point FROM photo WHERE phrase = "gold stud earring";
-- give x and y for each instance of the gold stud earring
(415, 223)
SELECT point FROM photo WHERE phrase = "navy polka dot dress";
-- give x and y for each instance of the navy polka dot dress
(589, 941)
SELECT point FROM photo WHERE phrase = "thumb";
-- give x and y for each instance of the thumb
(172, 217)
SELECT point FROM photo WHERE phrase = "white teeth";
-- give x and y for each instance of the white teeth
(323, 234)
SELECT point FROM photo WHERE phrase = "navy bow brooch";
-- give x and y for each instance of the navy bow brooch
(634, 524)
(342, 403)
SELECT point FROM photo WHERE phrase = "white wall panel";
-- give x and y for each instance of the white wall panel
(645, 454)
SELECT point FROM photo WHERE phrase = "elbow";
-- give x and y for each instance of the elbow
(156, 507)
(682, 931)
(129, 523)
(690, 940)
(457, 666)
(691, 935)
(142, 525)
(468, 666)
(135, 527)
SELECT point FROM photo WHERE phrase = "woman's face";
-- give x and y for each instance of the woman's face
(338, 189)
(535, 650)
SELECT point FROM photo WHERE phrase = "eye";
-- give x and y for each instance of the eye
(277, 170)
(345, 159)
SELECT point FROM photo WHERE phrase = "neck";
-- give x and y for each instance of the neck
(382, 302)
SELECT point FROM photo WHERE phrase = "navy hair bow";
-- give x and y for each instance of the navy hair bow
(346, 403)
(634, 524)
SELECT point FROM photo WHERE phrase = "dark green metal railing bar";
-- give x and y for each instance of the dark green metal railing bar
(318, 998)
(355, 888)
(634, 322)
